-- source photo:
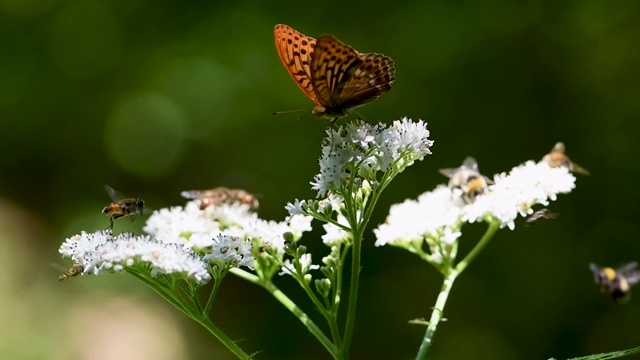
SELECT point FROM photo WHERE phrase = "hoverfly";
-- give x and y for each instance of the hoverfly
(121, 207)
(468, 179)
(222, 195)
(616, 283)
(76, 269)
(557, 158)
(540, 214)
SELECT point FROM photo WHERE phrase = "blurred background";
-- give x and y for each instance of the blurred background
(154, 98)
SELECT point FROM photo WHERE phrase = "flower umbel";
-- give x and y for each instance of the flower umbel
(364, 148)
(100, 252)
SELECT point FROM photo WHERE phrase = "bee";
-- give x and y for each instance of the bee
(468, 179)
(76, 269)
(557, 158)
(540, 214)
(616, 283)
(122, 207)
(222, 195)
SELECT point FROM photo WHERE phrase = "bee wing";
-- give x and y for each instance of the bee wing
(192, 194)
(113, 194)
(594, 268)
(59, 267)
(627, 267)
(579, 169)
(559, 147)
(448, 172)
(470, 163)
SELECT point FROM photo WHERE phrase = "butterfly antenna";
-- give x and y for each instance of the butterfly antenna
(287, 111)
(304, 116)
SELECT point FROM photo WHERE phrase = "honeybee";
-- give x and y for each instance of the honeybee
(222, 195)
(76, 269)
(468, 179)
(540, 214)
(122, 207)
(557, 158)
(616, 283)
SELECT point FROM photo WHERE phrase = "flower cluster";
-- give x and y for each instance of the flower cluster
(101, 252)
(437, 216)
(186, 240)
(367, 148)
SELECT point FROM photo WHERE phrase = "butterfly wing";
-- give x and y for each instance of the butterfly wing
(295, 51)
(332, 64)
(371, 78)
(344, 78)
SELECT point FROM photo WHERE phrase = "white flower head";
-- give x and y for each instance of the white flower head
(437, 216)
(430, 215)
(101, 252)
(230, 251)
(372, 147)
(515, 193)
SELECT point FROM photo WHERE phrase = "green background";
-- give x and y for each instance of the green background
(154, 98)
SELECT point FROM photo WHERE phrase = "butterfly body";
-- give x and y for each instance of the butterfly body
(334, 76)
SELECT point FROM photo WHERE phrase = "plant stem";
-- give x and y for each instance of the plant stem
(491, 230)
(436, 314)
(343, 352)
(449, 277)
(202, 319)
(291, 306)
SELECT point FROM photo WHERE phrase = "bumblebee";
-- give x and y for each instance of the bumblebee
(121, 207)
(616, 283)
(540, 214)
(76, 269)
(468, 179)
(222, 195)
(557, 158)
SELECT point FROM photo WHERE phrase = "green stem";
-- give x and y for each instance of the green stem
(192, 313)
(214, 292)
(436, 314)
(449, 278)
(291, 306)
(491, 230)
(353, 294)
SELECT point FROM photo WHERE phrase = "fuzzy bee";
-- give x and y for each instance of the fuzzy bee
(121, 206)
(222, 195)
(540, 214)
(468, 179)
(616, 283)
(558, 157)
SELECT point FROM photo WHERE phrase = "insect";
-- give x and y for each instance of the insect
(540, 214)
(468, 179)
(76, 269)
(557, 158)
(121, 207)
(616, 283)
(332, 74)
(222, 195)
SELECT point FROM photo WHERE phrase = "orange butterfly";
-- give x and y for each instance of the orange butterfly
(330, 73)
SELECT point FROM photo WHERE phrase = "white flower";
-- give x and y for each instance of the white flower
(374, 147)
(305, 263)
(412, 220)
(436, 216)
(295, 208)
(334, 234)
(515, 193)
(230, 251)
(101, 253)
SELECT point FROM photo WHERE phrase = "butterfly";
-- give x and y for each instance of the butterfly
(332, 74)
